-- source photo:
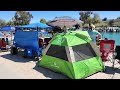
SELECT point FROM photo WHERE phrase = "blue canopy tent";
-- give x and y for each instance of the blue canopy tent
(35, 25)
(8, 29)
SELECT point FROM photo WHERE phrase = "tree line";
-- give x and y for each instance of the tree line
(20, 18)
(88, 17)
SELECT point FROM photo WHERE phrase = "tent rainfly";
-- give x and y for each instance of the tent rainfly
(72, 54)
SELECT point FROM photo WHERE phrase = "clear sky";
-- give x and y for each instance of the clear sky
(49, 15)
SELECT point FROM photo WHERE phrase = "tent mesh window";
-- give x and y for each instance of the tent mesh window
(58, 52)
(83, 52)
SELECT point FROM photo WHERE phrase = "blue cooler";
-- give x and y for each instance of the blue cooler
(28, 53)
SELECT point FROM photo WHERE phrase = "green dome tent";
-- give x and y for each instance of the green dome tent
(72, 54)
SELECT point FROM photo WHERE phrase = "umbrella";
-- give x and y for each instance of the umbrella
(35, 25)
(64, 21)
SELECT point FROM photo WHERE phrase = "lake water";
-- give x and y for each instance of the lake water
(112, 36)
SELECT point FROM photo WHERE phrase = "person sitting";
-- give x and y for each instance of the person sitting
(98, 38)
(7, 40)
(77, 27)
(65, 29)
(3, 44)
(41, 43)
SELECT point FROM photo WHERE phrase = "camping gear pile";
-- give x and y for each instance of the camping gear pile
(72, 54)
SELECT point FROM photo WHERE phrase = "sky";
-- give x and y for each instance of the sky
(50, 15)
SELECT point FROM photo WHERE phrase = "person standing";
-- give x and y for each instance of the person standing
(93, 34)
(65, 29)
(7, 40)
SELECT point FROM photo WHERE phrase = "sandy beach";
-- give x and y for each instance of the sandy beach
(29, 69)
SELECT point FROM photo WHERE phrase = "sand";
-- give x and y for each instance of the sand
(29, 69)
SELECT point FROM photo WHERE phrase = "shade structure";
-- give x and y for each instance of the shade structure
(72, 54)
(64, 21)
(35, 25)
(8, 28)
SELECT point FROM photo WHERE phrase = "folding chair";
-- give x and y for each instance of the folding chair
(106, 46)
(115, 56)
(4, 48)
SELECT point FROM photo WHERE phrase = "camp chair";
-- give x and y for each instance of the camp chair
(106, 46)
(4, 46)
(115, 56)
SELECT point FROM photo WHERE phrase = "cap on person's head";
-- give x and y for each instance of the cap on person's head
(106, 38)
